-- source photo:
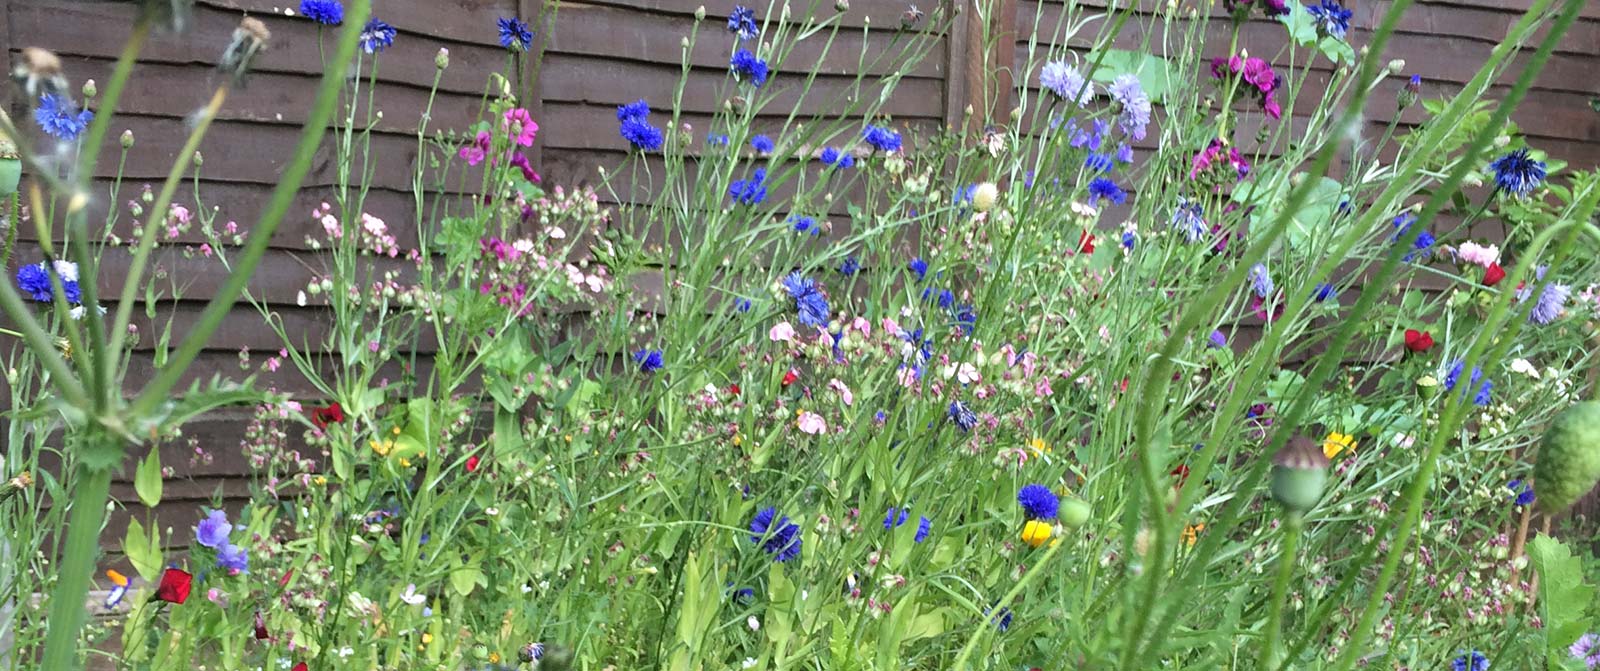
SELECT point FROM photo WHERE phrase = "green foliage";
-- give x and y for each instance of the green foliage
(1565, 597)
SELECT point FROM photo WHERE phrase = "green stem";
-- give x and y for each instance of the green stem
(1294, 524)
(282, 199)
(76, 567)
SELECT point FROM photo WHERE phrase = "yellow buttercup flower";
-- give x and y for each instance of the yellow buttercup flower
(1035, 533)
(1039, 447)
(382, 448)
(1191, 533)
(494, 658)
(1337, 443)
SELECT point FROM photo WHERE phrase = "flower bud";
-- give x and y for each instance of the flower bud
(198, 159)
(127, 139)
(841, 5)
(1397, 66)
(1074, 512)
(441, 60)
(1411, 92)
(1299, 473)
(89, 89)
(700, 13)
(1568, 464)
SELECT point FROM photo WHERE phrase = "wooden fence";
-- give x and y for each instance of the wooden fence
(597, 54)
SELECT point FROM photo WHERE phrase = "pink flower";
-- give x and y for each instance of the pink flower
(781, 332)
(906, 376)
(861, 324)
(967, 373)
(521, 162)
(811, 423)
(1478, 255)
(520, 127)
(843, 391)
(477, 151)
(1042, 388)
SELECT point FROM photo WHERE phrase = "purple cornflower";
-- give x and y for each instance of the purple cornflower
(60, 118)
(1587, 650)
(377, 36)
(1518, 174)
(1190, 220)
(1521, 492)
(749, 68)
(963, 416)
(1217, 340)
(775, 534)
(809, 301)
(1331, 18)
(742, 22)
(514, 34)
(1134, 115)
(234, 559)
(1482, 396)
(1260, 281)
(1324, 292)
(212, 532)
(1038, 502)
(649, 360)
(34, 280)
(1066, 83)
(1471, 661)
(1102, 187)
(1098, 162)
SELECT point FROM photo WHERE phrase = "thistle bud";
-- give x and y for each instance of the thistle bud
(90, 90)
(249, 40)
(441, 60)
(1568, 464)
(127, 139)
(1299, 473)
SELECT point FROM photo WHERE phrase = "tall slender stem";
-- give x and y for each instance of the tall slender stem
(1271, 656)
(67, 612)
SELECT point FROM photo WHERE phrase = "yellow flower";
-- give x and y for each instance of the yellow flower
(319, 480)
(427, 638)
(1191, 533)
(382, 448)
(1035, 533)
(494, 658)
(1039, 447)
(1336, 443)
(738, 440)
(405, 463)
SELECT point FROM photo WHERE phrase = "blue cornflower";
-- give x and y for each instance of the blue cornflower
(918, 267)
(749, 68)
(1097, 162)
(1552, 301)
(1001, 619)
(742, 22)
(763, 144)
(1129, 239)
(1472, 661)
(1261, 281)
(963, 416)
(514, 34)
(234, 559)
(1324, 292)
(743, 596)
(1189, 218)
(1124, 153)
(1038, 502)
(1518, 174)
(649, 360)
(325, 12)
(717, 140)
(59, 117)
(638, 109)
(742, 305)
(34, 280)
(750, 191)
(804, 224)
(775, 534)
(924, 525)
(809, 301)
(837, 159)
(1522, 492)
(212, 532)
(850, 266)
(1424, 242)
(1217, 340)
(640, 134)
(944, 297)
(1331, 18)
(377, 36)
(1453, 376)
(882, 138)
(1101, 187)
(1090, 138)
(966, 318)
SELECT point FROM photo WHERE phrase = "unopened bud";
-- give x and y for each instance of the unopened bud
(198, 159)
(441, 60)
(841, 5)
(1299, 473)
(127, 139)
(1397, 66)
(89, 89)
(700, 13)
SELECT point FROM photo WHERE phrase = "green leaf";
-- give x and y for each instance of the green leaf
(465, 579)
(1564, 596)
(1337, 50)
(143, 550)
(147, 479)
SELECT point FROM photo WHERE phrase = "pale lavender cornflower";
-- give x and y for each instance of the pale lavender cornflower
(1551, 302)
(1135, 113)
(212, 532)
(1064, 81)
(1260, 281)
(1587, 650)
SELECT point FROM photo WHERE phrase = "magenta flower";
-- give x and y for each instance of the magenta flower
(520, 127)
(477, 151)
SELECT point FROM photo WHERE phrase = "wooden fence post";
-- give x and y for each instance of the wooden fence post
(991, 52)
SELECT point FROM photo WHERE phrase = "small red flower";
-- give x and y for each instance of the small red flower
(790, 377)
(1418, 341)
(322, 416)
(174, 587)
(301, 667)
(733, 390)
(1182, 473)
(1493, 274)
(472, 463)
(1085, 243)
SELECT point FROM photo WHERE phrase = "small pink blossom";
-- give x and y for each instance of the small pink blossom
(781, 332)
(862, 325)
(907, 376)
(1042, 388)
(1478, 255)
(812, 423)
(843, 391)
(477, 151)
(967, 373)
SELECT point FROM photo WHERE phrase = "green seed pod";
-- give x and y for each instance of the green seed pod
(1074, 512)
(1299, 473)
(1569, 457)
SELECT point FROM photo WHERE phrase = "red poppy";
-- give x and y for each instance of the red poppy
(300, 667)
(1085, 243)
(1182, 473)
(1493, 274)
(472, 463)
(174, 587)
(733, 390)
(790, 377)
(1418, 341)
(322, 416)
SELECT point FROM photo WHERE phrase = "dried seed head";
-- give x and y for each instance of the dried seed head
(38, 71)
(249, 39)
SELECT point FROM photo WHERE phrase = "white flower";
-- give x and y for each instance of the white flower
(67, 270)
(412, 597)
(984, 196)
(749, 663)
(1522, 366)
(755, 625)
